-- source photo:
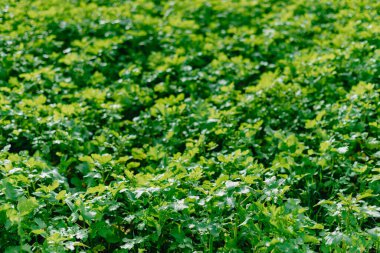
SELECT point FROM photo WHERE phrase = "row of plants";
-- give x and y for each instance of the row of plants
(189, 126)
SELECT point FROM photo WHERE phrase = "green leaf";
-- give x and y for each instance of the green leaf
(27, 205)
(317, 226)
(310, 124)
(310, 238)
(60, 195)
(102, 159)
(138, 154)
(97, 189)
(11, 192)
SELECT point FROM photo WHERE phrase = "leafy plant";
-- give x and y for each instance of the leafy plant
(189, 126)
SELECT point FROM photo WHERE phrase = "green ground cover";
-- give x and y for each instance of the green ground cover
(189, 126)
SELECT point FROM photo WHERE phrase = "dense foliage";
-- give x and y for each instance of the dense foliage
(189, 126)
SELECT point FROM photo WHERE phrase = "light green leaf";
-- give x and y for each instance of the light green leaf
(26, 206)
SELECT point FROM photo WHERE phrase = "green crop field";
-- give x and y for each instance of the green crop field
(190, 126)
